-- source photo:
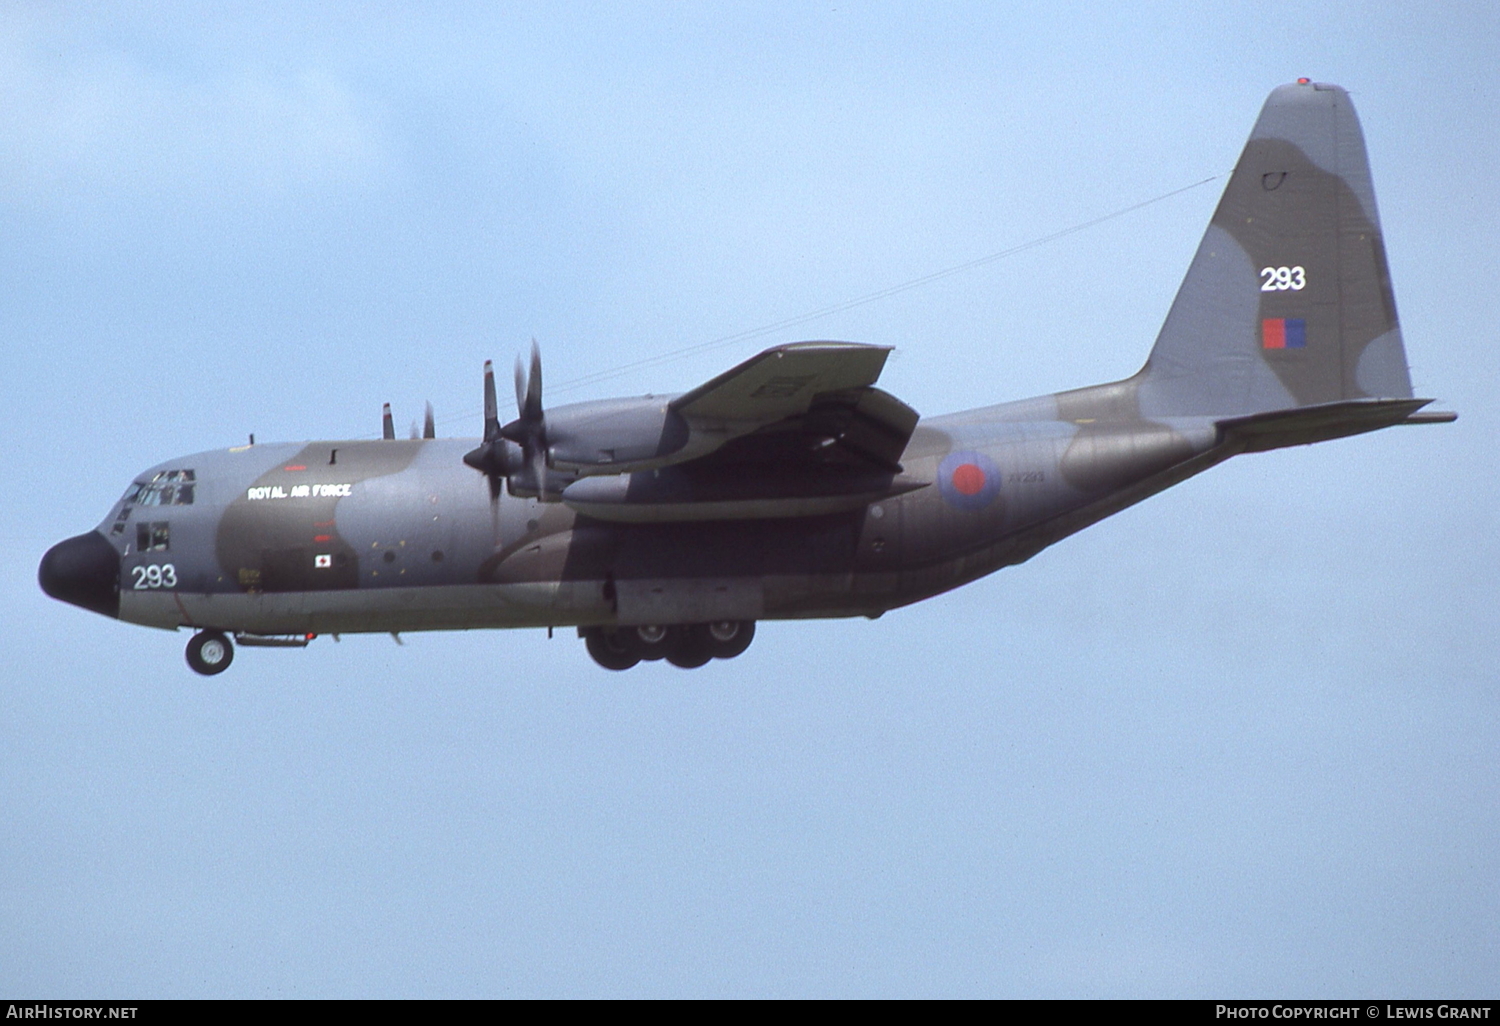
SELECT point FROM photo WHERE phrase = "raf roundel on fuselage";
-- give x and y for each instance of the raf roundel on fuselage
(968, 479)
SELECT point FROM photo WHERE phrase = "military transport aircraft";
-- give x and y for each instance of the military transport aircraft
(788, 487)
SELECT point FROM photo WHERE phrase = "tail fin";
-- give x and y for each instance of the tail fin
(1288, 302)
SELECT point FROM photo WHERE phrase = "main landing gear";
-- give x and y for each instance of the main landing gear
(686, 645)
(210, 652)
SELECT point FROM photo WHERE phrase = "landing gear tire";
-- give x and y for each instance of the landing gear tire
(210, 652)
(729, 638)
(651, 642)
(609, 649)
(694, 647)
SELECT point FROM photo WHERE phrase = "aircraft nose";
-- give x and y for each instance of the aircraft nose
(84, 571)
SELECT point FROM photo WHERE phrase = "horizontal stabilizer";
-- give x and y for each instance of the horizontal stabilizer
(1304, 425)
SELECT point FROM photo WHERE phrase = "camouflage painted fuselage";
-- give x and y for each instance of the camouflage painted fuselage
(399, 536)
(789, 487)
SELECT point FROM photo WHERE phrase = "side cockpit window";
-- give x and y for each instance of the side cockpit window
(167, 488)
(152, 537)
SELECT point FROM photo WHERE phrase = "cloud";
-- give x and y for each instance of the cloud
(86, 118)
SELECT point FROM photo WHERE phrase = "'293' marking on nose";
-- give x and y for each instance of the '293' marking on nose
(162, 575)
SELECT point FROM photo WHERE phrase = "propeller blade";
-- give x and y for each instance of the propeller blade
(388, 426)
(529, 429)
(413, 435)
(490, 458)
(491, 408)
(429, 426)
(520, 389)
(532, 410)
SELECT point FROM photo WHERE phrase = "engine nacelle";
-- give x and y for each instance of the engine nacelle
(614, 436)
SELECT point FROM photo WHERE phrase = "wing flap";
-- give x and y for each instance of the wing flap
(879, 428)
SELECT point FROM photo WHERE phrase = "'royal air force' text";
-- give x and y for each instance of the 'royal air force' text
(316, 491)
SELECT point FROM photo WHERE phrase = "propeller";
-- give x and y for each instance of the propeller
(429, 428)
(528, 478)
(388, 426)
(490, 458)
(531, 423)
(517, 451)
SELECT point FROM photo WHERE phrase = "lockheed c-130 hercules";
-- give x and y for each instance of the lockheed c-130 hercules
(789, 487)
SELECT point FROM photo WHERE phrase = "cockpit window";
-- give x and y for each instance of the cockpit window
(167, 488)
(152, 537)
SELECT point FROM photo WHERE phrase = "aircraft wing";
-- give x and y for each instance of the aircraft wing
(807, 402)
(783, 381)
(798, 430)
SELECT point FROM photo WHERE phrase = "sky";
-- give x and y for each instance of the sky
(1237, 740)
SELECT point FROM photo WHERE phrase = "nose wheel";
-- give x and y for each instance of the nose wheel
(210, 652)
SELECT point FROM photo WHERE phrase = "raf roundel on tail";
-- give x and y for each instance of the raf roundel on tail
(788, 487)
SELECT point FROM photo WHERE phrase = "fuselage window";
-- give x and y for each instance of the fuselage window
(167, 488)
(152, 537)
